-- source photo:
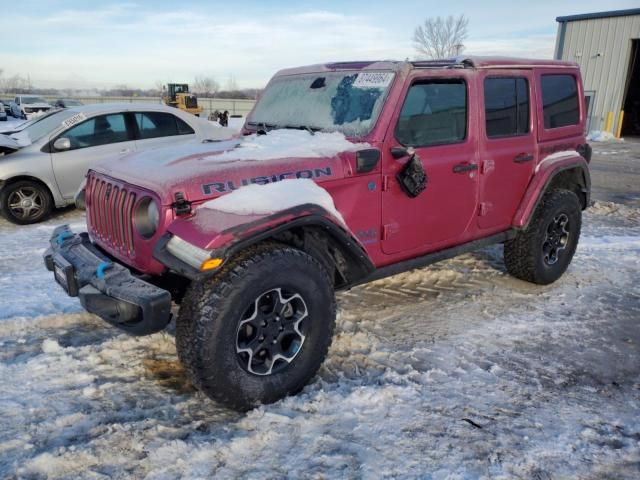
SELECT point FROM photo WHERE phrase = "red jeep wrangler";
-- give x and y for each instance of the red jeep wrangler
(345, 173)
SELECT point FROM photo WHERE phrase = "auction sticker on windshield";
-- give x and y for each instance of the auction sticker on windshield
(71, 121)
(373, 80)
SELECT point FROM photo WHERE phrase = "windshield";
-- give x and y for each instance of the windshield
(349, 102)
(30, 100)
(46, 125)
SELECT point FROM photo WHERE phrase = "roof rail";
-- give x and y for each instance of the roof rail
(349, 65)
(454, 62)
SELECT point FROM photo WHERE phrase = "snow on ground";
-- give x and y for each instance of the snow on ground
(451, 372)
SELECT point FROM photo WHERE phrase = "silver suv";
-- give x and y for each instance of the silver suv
(43, 165)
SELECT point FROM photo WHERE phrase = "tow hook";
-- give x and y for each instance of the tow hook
(181, 206)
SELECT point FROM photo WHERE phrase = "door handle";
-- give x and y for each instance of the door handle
(465, 167)
(125, 150)
(523, 158)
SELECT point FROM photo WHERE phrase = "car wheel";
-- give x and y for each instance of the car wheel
(25, 202)
(543, 251)
(260, 329)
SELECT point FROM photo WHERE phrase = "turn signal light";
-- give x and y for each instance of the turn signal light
(210, 264)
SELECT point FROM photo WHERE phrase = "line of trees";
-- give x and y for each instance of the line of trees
(204, 86)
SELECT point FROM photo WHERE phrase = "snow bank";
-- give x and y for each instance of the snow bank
(286, 143)
(274, 197)
(610, 242)
(600, 136)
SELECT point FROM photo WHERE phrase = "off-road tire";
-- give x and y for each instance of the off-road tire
(524, 256)
(7, 196)
(211, 311)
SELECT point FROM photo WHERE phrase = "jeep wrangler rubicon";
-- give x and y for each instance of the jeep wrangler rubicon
(344, 173)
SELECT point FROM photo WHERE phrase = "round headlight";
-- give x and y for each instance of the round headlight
(147, 217)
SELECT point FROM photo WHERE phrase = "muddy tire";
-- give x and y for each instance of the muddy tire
(543, 251)
(25, 202)
(260, 329)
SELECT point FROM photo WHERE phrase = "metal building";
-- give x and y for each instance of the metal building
(606, 46)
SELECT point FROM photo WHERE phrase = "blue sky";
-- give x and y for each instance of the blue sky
(99, 43)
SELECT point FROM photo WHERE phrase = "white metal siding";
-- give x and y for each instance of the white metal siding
(606, 73)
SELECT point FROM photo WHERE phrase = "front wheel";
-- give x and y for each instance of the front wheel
(543, 251)
(25, 202)
(260, 329)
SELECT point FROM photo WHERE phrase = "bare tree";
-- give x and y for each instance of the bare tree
(159, 86)
(205, 86)
(232, 83)
(441, 37)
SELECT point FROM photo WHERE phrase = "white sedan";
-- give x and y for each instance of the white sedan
(42, 166)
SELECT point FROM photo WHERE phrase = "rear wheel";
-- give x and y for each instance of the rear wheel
(260, 329)
(543, 251)
(25, 202)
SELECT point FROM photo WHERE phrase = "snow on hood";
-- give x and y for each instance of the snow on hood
(14, 142)
(9, 142)
(188, 166)
(274, 197)
(287, 143)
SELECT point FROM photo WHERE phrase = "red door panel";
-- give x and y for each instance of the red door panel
(508, 147)
(431, 120)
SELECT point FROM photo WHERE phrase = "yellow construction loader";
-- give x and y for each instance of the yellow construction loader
(177, 95)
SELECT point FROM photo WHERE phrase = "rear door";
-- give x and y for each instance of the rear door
(158, 129)
(437, 119)
(94, 140)
(509, 148)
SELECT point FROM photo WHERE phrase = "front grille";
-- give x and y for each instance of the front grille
(110, 211)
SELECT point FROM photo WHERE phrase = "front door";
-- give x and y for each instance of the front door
(94, 140)
(434, 119)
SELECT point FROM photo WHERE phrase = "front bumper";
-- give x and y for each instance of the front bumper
(105, 287)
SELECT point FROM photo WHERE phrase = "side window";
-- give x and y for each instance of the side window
(183, 128)
(506, 106)
(159, 124)
(434, 113)
(100, 130)
(560, 101)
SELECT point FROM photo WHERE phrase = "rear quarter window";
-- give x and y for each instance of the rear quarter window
(560, 103)
(160, 124)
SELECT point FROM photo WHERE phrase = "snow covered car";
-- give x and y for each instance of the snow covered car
(31, 105)
(21, 126)
(6, 105)
(43, 165)
(346, 173)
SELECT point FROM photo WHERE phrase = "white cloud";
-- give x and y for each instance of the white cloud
(109, 46)
(127, 44)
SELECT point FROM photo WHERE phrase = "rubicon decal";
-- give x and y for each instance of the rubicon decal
(229, 185)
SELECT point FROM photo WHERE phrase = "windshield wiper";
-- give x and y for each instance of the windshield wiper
(265, 127)
(311, 130)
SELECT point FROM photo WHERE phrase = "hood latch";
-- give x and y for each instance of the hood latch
(181, 206)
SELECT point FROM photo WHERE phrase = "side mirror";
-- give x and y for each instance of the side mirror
(62, 144)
